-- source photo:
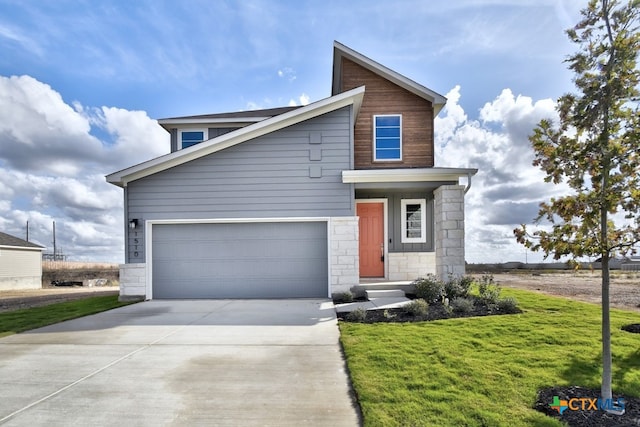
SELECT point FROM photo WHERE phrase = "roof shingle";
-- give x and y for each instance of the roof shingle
(9, 240)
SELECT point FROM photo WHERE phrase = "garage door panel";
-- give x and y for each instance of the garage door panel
(240, 260)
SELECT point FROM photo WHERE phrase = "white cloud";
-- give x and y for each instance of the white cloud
(52, 167)
(287, 73)
(302, 100)
(507, 189)
(24, 41)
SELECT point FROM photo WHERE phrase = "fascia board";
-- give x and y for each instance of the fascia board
(352, 97)
(201, 121)
(405, 175)
(23, 248)
(341, 50)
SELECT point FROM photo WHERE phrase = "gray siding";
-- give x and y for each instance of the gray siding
(174, 139)
(395, 218)
(270, 176)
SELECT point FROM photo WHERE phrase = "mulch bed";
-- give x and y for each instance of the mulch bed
(436, 312)
(634, 328)
(587, 418)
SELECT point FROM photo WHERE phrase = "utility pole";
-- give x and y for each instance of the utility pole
(55, 252)
(27, 231)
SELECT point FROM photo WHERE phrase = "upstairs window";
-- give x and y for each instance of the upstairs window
(190, 137)
(387, 138)
(414, 220)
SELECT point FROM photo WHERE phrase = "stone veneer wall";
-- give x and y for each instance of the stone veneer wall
(449, 231)
(344, 253)
(411, 265)
(133, 281)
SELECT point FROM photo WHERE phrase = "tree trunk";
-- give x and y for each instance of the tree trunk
(605, 390)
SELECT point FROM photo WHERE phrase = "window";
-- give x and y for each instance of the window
(414, 220)
(387, 138)
(187, 138)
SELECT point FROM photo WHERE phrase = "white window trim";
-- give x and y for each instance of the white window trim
(205, 134)
(423, 220)
(375, 159)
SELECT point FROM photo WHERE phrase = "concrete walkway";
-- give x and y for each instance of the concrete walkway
(201, 362)
(376, 300)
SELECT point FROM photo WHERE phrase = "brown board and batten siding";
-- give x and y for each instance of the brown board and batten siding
(384, 97)
(293, 172)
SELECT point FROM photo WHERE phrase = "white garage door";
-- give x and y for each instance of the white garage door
(240, 260)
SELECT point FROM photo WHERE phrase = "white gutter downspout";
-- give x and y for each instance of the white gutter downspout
(468, 183)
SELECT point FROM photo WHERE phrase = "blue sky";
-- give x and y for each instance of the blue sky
(81, 83)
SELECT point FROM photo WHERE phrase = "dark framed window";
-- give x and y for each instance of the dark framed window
(387, 137)
(191, 137)
(414, 220)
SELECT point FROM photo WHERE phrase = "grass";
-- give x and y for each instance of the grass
(13, 322)
(485, 371)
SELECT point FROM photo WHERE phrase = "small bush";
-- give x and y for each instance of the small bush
(489, 291)
(429, 288)
(342, 297)
(457, 287)
(452, 290)
(357, 315)
(508, 305)
(417, 307)
(462, 305)
(465, 283)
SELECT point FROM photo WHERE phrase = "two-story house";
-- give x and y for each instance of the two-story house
(297, 201)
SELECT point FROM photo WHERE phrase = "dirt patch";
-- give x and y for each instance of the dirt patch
(581, 286)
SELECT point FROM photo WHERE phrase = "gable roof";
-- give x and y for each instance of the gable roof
(272, 124)
(9, 241)
(249, 116)
(341, 51)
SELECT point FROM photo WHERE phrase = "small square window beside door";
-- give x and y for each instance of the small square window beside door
(414, 221)
(191, 137)
(387, 138)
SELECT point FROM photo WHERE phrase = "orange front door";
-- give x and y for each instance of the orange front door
(371, 239)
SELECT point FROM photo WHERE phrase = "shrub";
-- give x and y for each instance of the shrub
(489, 291)
(429, 288)
(357, 315)
(342, 297)
(417, 307)
(465, 283)
(457, 287)
(462, 305)
(508, 305)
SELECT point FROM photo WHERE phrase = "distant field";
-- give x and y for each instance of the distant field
(77, 265)
(79, 272)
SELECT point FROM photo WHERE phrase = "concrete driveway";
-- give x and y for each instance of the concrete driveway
(185, 362)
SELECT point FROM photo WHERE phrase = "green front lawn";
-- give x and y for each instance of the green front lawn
(13, 322)
(485, 371)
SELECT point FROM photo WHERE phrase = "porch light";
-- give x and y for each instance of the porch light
(133, 223)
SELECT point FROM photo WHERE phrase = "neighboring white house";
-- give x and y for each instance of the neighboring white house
(20, 263)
